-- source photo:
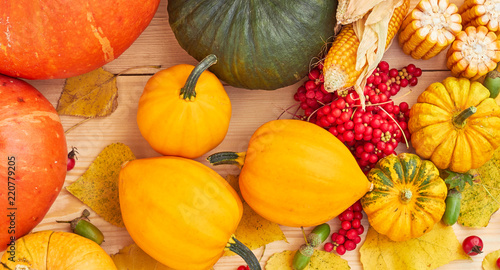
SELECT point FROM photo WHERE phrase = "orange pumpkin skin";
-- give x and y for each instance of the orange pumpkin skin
(59, 39)
(297, 174)
(175, 126)
(179, 211)
(56, 250)
(34, 153)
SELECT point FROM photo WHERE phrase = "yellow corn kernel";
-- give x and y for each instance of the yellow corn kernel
(340, 63)
(429, 28)
(475, 52)
(481, 13)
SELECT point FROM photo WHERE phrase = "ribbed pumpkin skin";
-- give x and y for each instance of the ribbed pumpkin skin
(179, 211)
(387, 211)
(46, 39)
(46, 250)
(298, 174)
(178, 127)
(261, 44)
(435, 137)
(32, 139)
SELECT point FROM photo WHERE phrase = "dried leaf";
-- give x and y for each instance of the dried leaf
(254, 231)
(93, 94)
(98, 186)
(321, 260)
(132, 257)
(481, 200)
(434, 249)
(490, 260)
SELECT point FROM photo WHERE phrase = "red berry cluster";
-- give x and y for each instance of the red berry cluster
(348, 236)
(243, 267)
(371, 133)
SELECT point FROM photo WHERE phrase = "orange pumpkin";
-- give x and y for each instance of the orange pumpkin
(184, 110)
(180, 212)
(33, 147)
(58, 39)
(296, 173)
(56, 250)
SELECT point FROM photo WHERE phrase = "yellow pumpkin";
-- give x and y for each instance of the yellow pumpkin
(407, 199)
(180, 212)
(184, 110)
(455, 124)
(296, 173)
(55, 250)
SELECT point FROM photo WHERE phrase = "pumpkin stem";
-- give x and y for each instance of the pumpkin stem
(461, 118)
(406, 195)
(237, 247)
(227, 158)
(188, 92)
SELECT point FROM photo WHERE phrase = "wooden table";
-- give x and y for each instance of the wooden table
(158, 46)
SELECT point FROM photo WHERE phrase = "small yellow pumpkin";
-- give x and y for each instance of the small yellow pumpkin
(407, 199)
(455, 124)
(55, 250)
(296, 173)
(181, 212)
(184, 110)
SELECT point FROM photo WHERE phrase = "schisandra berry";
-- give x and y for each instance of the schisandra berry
(328, 247)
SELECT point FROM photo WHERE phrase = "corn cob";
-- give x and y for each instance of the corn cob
(429, 28)
(339, 66)
(475, 52)
(481, 12)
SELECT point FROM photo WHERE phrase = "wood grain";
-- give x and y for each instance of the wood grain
(157, 46)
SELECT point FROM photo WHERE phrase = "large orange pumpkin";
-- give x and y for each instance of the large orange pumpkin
(34, 155)
(59, 39)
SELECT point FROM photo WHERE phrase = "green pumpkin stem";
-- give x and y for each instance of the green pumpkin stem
(188, 92)
(461, 118)
(244, 252)
(227, 158)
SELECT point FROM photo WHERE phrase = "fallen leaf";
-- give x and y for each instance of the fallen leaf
(92, 94)
(253, 230)
(481, 200)
(320, 260)
(132, 257)
(98, 186)
(432, 250)
(490, 260)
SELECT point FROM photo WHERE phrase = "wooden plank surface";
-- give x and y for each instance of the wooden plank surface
(157, 46)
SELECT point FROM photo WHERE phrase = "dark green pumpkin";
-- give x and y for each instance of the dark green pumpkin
(260, 44)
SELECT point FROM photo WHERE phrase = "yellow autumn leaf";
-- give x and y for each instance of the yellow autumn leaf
(92, 94)
(253, 230)
(490, 260)
(482, 199)
(132, 257)
(432, 250)
(320, 260)
(98, 186)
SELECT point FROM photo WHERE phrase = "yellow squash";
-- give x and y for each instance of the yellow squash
(407, 199)
(180, 212)
(47, 250)
(455, 124)
(296, 173)
(184, 110)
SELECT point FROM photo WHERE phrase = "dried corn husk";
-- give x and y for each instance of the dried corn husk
(372, 31)
(349, 11)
